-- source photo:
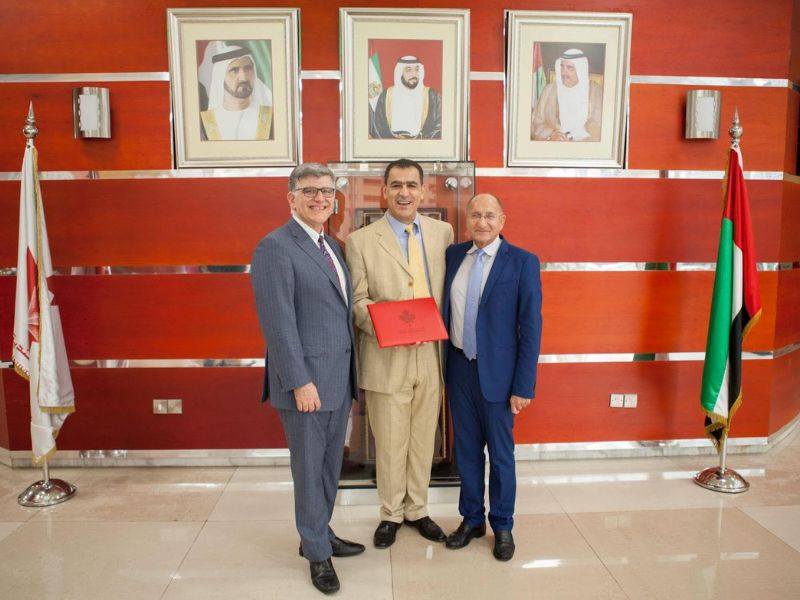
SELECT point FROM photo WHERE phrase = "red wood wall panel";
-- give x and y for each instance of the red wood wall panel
(669, 38)
(785, 403)
(150, 221)
(147, 223)
(613, 220)
(140, 127)
(114, 410)
(657, 121)
(787, 322)
(486, 123)
(572, 402)
(213, 315)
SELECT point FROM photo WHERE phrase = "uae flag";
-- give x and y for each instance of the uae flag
(38, 353)
(735, 307)
(375, 86)
(539, 78)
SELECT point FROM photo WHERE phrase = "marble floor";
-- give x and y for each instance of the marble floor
(610, 528)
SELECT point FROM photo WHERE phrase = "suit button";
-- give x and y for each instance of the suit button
(410, 284)
(347, 351)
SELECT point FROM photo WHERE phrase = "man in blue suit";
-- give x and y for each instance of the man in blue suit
(492, 308)
(304, 299)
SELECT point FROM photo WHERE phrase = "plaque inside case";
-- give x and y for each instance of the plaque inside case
(447, 188)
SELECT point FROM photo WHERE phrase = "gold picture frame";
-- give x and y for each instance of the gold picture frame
(255, 124)
(596, 48)
(430, 123)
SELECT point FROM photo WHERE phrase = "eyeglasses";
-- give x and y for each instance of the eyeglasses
(488, 217)
(311, 192)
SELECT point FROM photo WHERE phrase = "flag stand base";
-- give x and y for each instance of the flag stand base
(722, 480)
(47, 493)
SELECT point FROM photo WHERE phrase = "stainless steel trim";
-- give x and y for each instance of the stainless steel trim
(607, 357)
(552, 451)
(81, 77)
(224, 173)
(487, 76)
(713, 81)
(553, 267)
(320, 75)
(552, 172)
(565, 172)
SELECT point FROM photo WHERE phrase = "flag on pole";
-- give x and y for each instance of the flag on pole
(375, 77)
(539, 77)
(39, 354)
(735, 307)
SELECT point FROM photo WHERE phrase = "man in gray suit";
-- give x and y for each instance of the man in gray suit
(305, 306)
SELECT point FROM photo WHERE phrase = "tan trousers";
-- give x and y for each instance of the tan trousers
(404, 426)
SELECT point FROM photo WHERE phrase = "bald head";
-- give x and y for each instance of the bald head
(485, 219)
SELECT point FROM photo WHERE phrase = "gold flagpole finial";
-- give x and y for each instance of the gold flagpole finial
(736, 130)
(30, 130)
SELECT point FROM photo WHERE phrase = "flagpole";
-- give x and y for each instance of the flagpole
(722, 479)
(45, 492)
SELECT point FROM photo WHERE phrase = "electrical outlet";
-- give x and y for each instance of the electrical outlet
(175, 407)
(159, 407)
(630, 400)
(616, 400)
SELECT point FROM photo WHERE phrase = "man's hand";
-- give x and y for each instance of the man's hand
(518, 403)
(307, 398)
(557, 136)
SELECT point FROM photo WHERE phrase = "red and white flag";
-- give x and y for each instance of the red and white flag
(39, 354)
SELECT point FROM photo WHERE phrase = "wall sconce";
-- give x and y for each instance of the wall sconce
(91, 112)
(702, 114)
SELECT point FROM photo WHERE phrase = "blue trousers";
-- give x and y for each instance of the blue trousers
(479, 424)
(316, 450)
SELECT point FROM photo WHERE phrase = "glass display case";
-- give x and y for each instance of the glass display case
(359, 201)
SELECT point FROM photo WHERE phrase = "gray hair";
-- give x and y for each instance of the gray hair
(308, 170)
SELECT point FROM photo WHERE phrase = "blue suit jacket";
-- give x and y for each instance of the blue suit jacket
(509, 326)
(306, 322)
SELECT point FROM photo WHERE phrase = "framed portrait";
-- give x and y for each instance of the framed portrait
(234, 81)
(567, 88)
(405, 76)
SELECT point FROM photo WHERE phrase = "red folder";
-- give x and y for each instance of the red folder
(407, 322)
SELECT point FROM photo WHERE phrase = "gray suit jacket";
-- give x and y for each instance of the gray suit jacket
(306, 322)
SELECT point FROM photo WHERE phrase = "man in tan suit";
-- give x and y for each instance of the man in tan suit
(400, 257)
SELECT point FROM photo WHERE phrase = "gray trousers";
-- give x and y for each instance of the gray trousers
(316, 445)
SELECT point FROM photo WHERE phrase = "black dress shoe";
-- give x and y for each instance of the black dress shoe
(428, 529)
(342, 548)
(461, 536)
(324, 577)
(385, 534)
(503, 545)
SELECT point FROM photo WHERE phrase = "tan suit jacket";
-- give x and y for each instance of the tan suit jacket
(379, 271)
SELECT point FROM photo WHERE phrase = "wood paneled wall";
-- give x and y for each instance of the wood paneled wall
(153, 222)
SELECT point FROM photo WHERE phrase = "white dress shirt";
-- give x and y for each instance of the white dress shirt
(314, 235)
(458, 289)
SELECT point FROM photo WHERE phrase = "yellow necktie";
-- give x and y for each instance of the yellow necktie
(416, 265)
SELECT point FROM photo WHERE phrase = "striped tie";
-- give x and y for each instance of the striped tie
(327, 256)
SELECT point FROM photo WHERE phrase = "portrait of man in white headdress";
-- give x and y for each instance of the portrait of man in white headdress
(570, 108)
(408, 109)
(235, 99)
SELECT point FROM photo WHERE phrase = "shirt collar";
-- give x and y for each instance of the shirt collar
(313, 234)
(398, 227)
(490, 249)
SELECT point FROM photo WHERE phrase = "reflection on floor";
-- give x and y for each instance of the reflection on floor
(614, 528)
